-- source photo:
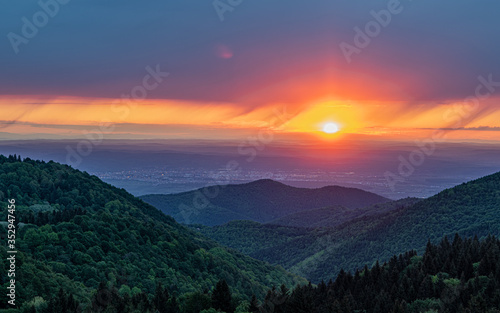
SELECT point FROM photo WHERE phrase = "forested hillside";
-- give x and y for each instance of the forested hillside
(261, 201)
(86, 246)
(78, 234)
(337, 215)
(462, 276)
(469, 209)
(302, 250)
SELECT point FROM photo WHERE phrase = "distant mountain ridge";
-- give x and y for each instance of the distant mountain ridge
(261, 201)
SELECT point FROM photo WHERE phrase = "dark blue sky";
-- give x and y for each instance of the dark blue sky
(99, 48)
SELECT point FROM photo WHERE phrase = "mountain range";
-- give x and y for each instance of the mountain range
(79, 236)
(319, 253)
(261, 201)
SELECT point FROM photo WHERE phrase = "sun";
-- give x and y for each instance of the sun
(330, 128)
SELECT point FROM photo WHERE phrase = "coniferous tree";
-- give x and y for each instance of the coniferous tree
(173, 305)
(254, 305)
(161, 298)
(221, 297)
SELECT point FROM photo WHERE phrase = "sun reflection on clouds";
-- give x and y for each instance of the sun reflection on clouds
(380, 119)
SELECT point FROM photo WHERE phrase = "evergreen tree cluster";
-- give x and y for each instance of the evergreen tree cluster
(51, 217)
(457, 277)
(109, 299)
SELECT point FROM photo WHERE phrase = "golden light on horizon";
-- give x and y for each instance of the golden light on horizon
(325, 119)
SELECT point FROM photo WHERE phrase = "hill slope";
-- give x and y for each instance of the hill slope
(469, 209)
(260, 201)
(337, 215)
(79, 231)
(459, 276)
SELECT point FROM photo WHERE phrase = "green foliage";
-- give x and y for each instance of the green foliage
(336, 215)
(195, 302)
(427, 305)
(318, 254)
(243, 307)
(221, 297)
(211, 310)
(114, 237)
(251, 237)
(85, 245)
(438, 281)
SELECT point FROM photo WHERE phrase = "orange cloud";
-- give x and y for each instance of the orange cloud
(70, 116)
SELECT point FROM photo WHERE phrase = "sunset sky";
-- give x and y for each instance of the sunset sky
(206, 70)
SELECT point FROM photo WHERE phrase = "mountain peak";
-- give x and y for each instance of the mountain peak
(262, 200)
(266, 182)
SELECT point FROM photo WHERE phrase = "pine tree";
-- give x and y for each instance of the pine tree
(161, 298)
(254, 305)
(172, 305)
(221, 297)
(62, 303)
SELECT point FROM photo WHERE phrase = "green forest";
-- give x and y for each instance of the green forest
(455, 277)
(75, 232)
(85, 246)
(320, 253)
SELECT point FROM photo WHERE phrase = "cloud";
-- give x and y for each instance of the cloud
(273, 51)
(480, 128)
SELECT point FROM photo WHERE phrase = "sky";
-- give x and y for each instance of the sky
(390, 70)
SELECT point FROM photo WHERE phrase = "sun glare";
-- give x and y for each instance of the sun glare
(330, 128)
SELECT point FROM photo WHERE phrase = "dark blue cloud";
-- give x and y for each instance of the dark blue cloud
(99, 48)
